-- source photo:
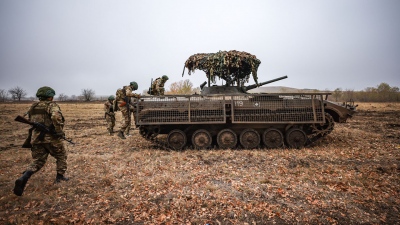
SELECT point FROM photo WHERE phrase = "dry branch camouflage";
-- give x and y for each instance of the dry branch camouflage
(232, 66)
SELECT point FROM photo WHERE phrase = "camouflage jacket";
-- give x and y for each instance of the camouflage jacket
(129, 93)
(107, 107)
(158, 83)
(49, 114)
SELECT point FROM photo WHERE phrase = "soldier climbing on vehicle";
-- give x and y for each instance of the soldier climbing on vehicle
(157, 86)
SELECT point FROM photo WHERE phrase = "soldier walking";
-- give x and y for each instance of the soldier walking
(109, 114)
(49, 114)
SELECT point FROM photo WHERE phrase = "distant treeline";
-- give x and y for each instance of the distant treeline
(382, 93)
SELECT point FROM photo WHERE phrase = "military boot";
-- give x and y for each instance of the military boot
(20, 183)
(121, 135)
(110, 132)
(60, 178)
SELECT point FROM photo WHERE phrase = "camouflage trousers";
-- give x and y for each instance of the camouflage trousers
(40, 152)
(110, 122)
(127, 120)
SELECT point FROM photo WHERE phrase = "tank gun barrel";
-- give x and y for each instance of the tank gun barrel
(246, 88)
(203, 84)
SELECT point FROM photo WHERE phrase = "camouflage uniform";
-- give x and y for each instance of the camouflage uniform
(131, 118)
(109, 115)
(123, 108)
(49, 114)
(157, 87)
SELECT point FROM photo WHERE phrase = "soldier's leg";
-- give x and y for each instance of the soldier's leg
(128, 128)
(125, 124)
(112, 124)
(109, 124)
(58, 151)
(39, 155)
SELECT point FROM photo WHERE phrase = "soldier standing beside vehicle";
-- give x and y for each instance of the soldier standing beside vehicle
(109, 114)
(123, 97)
(49, 114)
(157, 87)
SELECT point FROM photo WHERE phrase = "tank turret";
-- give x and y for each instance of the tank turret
(215, 89)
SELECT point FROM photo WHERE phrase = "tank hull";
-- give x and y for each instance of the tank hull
(233, 120)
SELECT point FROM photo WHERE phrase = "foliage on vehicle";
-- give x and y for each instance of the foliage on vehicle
(232, 66)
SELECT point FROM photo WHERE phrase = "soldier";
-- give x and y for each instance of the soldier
(123, 100)
(109, 114)
(157, 87)
(49, 114)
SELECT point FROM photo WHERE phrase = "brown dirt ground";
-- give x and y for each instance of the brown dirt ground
(349, 177)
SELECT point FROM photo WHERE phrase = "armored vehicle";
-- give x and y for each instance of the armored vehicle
(228, 116)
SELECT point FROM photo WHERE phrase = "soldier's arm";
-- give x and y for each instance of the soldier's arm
(129, 93)
(107, 107)
(57, 118)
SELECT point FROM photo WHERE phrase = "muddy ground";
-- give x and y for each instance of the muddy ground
(349, 177)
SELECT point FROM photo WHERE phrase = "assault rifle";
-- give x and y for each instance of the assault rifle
(150, 91)
(42, 128)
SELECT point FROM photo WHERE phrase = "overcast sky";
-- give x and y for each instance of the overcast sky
(71, 45)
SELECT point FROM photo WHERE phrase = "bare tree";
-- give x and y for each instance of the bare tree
(337, 93)
(87, 94)
(62, 97)
(3, 95)
(348, 94)
(182, 87)
(17, 93)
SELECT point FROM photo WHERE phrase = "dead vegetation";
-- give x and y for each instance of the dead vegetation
(350, 177)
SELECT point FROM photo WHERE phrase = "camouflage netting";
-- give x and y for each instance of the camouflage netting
(232, 66)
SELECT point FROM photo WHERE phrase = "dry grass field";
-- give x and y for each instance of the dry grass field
(350, 177)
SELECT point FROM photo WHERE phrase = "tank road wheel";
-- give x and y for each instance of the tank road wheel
(226, 138)
(296, 138)
(249, 138)
(201, 139)
(273, 138)
(149, 132)
(176, 139)
(326, 128)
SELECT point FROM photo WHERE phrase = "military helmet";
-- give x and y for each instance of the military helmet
(45, 92)
(111, 97)
(164, 77)
(134, 85)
